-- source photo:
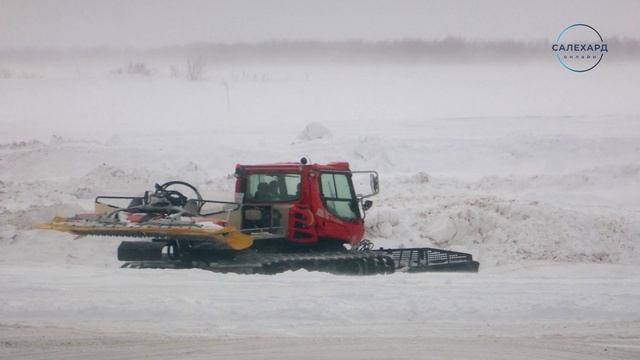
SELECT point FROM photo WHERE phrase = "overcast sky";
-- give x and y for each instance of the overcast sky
(144, 23)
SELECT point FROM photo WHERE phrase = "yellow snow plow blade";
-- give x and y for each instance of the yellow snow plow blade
(228, 235)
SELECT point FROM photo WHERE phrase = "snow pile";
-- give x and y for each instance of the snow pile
(194, 172)
(419, 178)
(593, 180)
(370, 152)
(381, 222)
(501, 224)
(507, 231)
(110, 179)
(60, 159)
(314, 131)
(16, 195)
(27, 218)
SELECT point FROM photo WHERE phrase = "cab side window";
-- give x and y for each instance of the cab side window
(338, 196)
(272, 187)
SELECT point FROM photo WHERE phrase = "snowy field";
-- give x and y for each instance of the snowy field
(532, 169)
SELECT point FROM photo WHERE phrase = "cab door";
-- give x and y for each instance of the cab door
(339, 215)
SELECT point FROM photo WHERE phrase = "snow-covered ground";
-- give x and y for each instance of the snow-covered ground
(532, 169)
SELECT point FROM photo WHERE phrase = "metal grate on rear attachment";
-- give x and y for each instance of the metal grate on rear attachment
(428, 259)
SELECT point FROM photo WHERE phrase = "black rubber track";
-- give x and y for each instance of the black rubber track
(342, 263)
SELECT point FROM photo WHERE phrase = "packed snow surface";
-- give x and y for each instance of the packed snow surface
(533, 170)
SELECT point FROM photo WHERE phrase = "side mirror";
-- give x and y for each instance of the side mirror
(373, 180)
(367, 204)
(373, 183)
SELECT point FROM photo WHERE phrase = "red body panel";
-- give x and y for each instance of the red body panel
(309, 220)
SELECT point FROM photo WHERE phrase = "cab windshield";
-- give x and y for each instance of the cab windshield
(338, 195)
(275, 187)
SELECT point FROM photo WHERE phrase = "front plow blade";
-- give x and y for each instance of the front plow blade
(428, 259)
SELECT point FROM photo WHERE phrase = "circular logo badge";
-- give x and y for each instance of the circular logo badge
(579, 48)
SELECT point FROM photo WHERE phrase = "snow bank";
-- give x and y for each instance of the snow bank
(27, 218)
(314, 131)
(381, 222)
(371, 152)
(584, 216)
(507, 231)
(500, 225)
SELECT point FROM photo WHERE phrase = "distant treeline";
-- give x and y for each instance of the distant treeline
(450, 49)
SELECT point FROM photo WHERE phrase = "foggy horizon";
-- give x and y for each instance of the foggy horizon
(156, 24)
(454, 50)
